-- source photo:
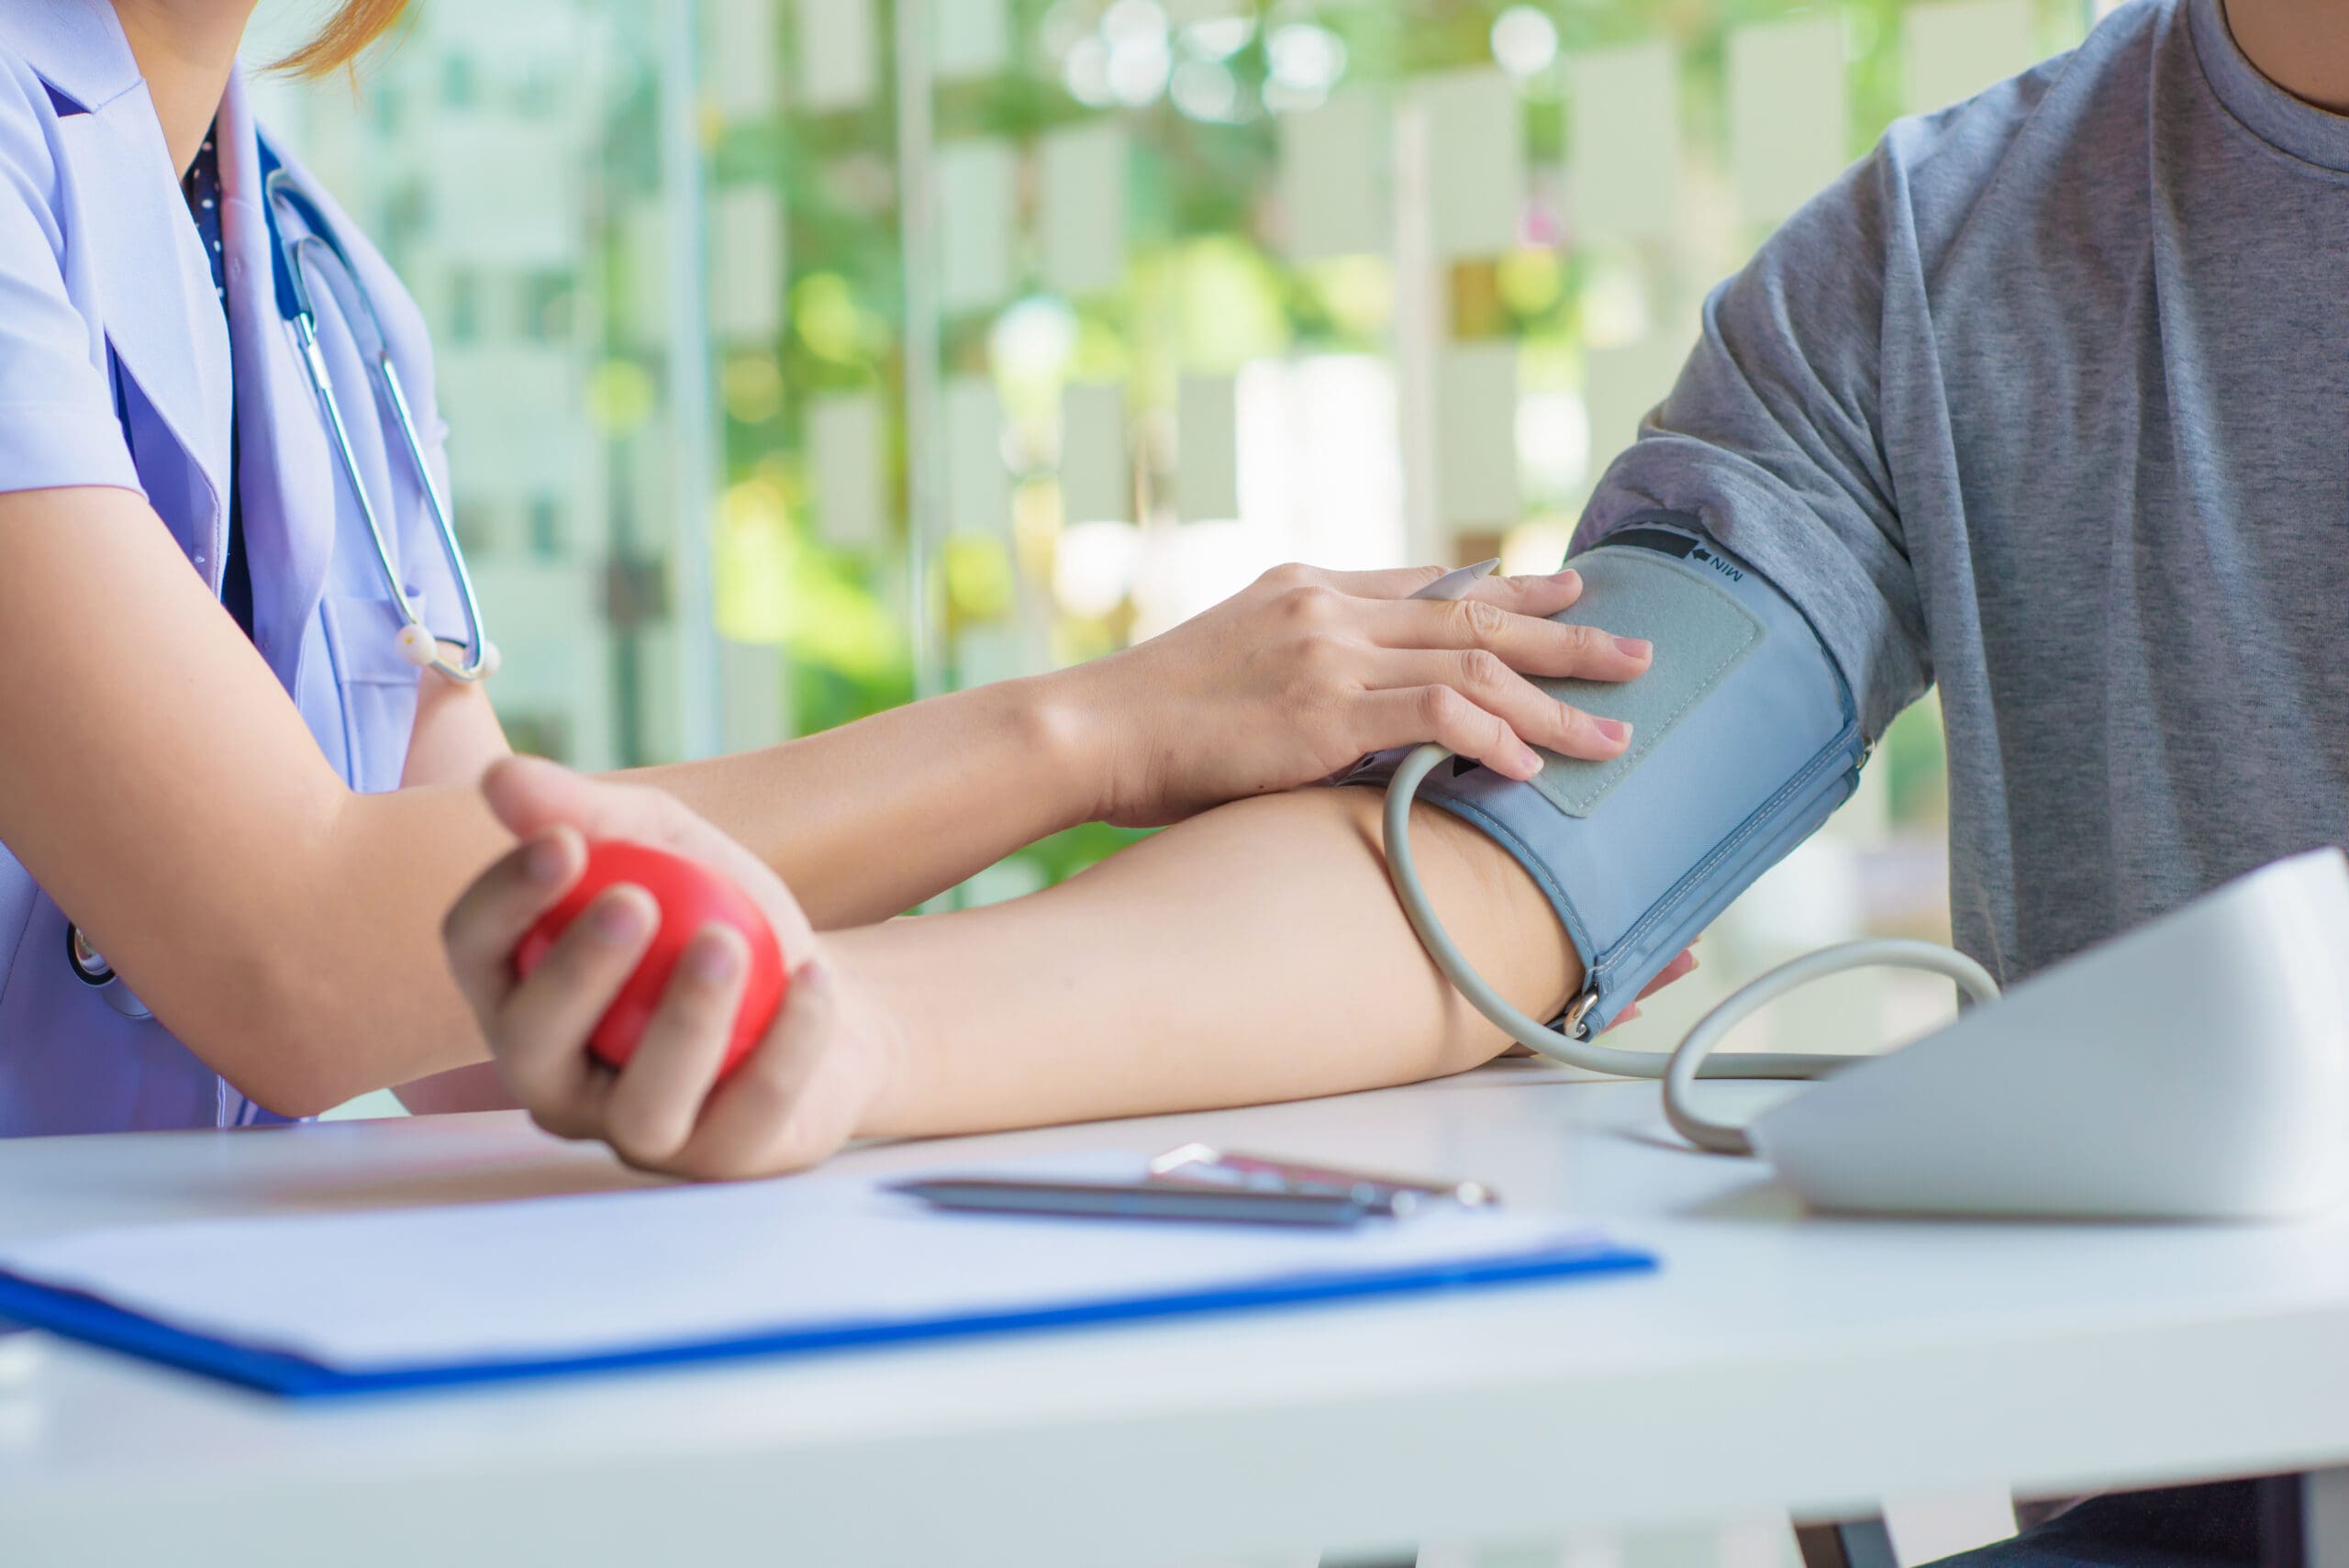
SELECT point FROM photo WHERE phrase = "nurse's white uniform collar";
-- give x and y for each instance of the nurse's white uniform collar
(75, 46)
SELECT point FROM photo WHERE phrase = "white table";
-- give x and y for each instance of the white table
(1777, 1361)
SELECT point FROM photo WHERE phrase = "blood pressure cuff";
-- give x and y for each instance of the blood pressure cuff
(1744, 738)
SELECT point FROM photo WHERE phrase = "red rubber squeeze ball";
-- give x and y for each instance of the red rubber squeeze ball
(690, 896)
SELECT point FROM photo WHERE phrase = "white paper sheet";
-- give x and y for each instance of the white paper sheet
(839, 54)
(1477, 148)
(746, 263)
(1096, 475)
(1332, 202)
(644, 241)
(1623, 122)
(978, 485)
(1477, 436)
(755, 699)
(1084, 207)
(557, 650)
(520, 208)
(969, 39)
(978, 212)
(1956, 48)
(986, 654)
(744, 66)
(1207, 448)
(670, 1266)
(844, 438)
(516, 427)
(1625, 382)
(1785, 113)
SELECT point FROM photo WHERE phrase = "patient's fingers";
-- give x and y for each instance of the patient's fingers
(487, 920)
(1675, 970)
(757, 1122)
(539, 1031)
(1680, 965)
(1531, 715)
(1523, 642)
(658, 1095)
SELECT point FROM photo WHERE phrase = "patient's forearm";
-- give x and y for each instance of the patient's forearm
(1254, 953)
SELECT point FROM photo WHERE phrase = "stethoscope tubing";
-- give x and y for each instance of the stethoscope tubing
(293, 260)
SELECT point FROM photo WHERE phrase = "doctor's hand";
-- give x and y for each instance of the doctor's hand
(1305, 671)
(796, 1098)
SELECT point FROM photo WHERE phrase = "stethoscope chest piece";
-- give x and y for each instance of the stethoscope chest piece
(91, 968)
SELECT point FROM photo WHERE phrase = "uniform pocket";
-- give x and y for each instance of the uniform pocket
(377, 685)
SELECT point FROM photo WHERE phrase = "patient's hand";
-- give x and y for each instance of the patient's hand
(795, 1099)
(1307, 672)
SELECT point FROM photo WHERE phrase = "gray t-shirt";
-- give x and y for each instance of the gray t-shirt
(2047, 400)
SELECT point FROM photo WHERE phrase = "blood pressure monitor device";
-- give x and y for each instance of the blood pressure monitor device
(2196, 1069)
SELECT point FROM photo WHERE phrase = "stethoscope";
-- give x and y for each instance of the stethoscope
(417, 645)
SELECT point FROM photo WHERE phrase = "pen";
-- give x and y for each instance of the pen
(1455, 584)
(1135, 1200)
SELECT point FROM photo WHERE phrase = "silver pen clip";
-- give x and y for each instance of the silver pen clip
(1202, 1165)
(1455, 584)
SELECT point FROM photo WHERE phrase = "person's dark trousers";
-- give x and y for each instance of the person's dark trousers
(2214, 1526)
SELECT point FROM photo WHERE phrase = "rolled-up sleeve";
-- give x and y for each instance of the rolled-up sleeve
(57, 425)
(1771, 440)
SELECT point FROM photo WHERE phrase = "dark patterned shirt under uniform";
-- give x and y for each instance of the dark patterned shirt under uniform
(202, 188)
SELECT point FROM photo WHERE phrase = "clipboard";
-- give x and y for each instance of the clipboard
(325, 1306)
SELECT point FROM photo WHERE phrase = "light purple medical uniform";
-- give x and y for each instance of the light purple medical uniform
(116, 369)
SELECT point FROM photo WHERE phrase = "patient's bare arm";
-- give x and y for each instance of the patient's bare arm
(1254, 952)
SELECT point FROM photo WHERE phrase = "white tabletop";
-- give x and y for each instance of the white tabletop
(1777, 1362)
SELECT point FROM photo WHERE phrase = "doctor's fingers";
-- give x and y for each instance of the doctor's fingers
(657, 1098)
(1483, 683)
(770, 1117)
(491, 916)
(538, 1030)
(1523, 642)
